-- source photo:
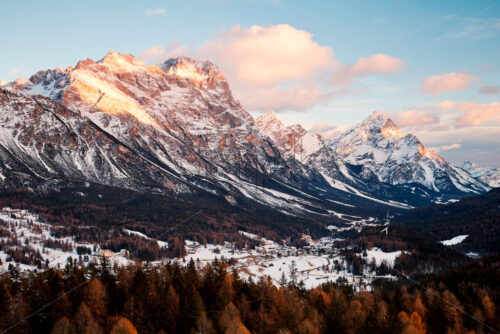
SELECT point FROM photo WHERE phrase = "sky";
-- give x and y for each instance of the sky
(432, 66)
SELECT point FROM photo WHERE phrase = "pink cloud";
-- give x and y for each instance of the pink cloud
(327, 130)
(377, 63)
(158, 54)
(276, 67)
(267, 55)
(447, 82)
(413, 117)
(475, 113)
(298, 97)
(14, 70)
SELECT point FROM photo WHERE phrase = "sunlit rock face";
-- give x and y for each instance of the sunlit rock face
(381, 149)
(186, 101)
(177, 128)
(180, 119)
(199, 74)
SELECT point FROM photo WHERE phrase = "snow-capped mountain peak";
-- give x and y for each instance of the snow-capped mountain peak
(122, 63)
(488, 175)
(380, 123)
(380, 148)
(287, 138)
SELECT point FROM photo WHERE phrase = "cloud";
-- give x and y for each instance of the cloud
(157, 11)
(378, 63)
(298, 97)
(267, 55)
(158, 54)
(14, 70)
(476, 29)
(328, 131)
(413, 118)
(276, 67)
(474, 113)
(489, 89)
(374, 64)
(447, 82)
(446, 147)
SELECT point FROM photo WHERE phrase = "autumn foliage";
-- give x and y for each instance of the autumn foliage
(213, 299)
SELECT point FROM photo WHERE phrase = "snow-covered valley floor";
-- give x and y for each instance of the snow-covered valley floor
(30, 244)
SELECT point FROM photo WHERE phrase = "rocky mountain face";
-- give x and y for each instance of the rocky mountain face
(488, 175)
(175, 129)
(375, 157)
(378, 148)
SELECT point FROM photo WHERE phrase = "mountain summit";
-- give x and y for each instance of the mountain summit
(380, 148)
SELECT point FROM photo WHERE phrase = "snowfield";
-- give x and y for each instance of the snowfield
(454, 241)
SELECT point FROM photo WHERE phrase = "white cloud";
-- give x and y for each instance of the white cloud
(447, 147)
(157, 11)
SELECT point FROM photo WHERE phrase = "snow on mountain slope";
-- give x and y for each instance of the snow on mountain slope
(488, 175)
(379, 148)
(315, 153)
(178, 122)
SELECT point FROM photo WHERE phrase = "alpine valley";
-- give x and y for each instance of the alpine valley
(111, 154)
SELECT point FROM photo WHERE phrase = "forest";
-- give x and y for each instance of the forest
(213, 299)
(475, 216)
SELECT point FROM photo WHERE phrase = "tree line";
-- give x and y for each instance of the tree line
(187, 298)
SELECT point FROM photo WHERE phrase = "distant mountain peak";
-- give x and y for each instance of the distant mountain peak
(269, 123)
(488, 175)
(379, 146)
(121, 61)
(379, 122)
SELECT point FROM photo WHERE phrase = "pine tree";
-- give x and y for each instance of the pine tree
(85, 322)
(63, 326)
(123, 326)
(294, 274)
(96, 299)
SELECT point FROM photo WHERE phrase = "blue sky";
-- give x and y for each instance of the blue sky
(457, 42)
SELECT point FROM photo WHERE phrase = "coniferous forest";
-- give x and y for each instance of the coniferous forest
(213, 299)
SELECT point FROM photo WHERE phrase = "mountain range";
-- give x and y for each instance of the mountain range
(488, 175)
(176, 130)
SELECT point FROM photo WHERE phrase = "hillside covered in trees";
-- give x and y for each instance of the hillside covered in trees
(478, 217)
(178, 299)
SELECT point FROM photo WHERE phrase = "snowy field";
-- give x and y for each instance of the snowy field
(455, 241)
(316, 263)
